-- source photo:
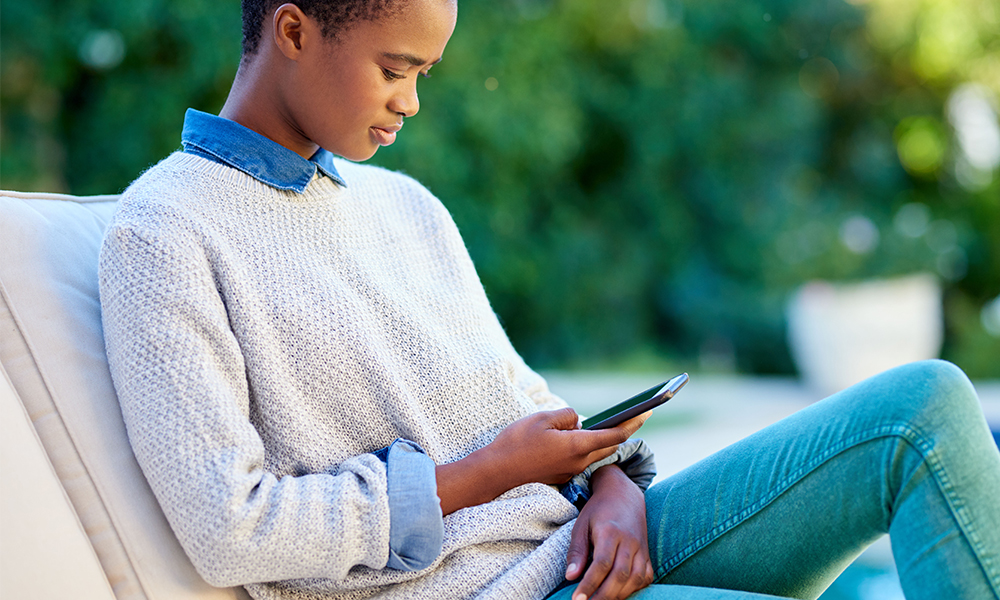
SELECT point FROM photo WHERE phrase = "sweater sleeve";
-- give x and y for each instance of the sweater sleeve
(524, 378)
(634, 457)
(180, 377)
(533, 384)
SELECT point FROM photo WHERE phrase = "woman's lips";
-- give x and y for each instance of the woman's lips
(384, 136)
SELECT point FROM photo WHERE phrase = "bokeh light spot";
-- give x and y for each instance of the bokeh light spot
(972, 113)
(655, 14)
(102, 49)
(990, 317)
(859, 234)
(920, 144)
(953, 264)
(942, 236)
(818, 77)
(911, 219)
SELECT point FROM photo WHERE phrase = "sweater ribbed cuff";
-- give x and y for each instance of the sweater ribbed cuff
(634, 457)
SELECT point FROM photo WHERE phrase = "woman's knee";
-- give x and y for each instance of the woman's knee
(920, 396)
(942, 385)
(933, 393)
(945, 374)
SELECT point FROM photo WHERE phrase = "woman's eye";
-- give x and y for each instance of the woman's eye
(391, 75)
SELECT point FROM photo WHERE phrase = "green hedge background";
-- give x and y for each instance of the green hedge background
(640, 182)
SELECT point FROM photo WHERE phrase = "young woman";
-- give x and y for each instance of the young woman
(326, 406)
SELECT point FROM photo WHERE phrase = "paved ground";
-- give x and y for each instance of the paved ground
(713, 411)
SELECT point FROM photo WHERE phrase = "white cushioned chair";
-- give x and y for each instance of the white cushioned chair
(77, 518)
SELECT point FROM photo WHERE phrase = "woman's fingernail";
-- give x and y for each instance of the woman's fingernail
(570, 569)
(580, 597)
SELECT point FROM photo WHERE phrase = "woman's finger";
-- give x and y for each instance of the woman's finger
(579, 548)
(602, 438)
(600, 454)
(616, 585)
(597, 572)
(641, 575)
(563, 418)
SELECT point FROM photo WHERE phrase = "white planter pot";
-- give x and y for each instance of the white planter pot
(840, 334)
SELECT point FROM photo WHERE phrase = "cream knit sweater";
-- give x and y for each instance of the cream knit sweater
(263, 343)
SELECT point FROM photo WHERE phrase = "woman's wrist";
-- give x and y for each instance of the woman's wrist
(475, 479)
(610, 478)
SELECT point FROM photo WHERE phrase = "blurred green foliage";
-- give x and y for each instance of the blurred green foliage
(635, 179)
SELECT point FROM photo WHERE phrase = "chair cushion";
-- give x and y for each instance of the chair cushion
(52, 349)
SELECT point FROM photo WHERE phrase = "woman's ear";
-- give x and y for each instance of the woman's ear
(292, 28)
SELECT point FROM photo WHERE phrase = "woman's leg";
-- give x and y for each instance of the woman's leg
(785, 510)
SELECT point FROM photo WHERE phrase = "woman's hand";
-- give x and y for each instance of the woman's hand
(611, 526)
(545, 447)
(549, 446)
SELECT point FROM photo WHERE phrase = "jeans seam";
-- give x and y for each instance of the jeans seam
(958, 508)
(908, 434)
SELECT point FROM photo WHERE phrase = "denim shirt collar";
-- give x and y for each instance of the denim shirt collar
(267, 161)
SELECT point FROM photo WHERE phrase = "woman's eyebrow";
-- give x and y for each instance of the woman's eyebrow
(408, 58)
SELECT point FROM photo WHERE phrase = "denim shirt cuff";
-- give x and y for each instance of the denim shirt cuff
(416, 526)
(633, 457)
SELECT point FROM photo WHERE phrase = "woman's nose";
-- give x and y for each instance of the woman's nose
(406, 102)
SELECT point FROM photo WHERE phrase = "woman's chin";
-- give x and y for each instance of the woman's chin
(359, 154)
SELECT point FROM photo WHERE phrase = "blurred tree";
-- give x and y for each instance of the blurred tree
(93, 93)
(638, 178)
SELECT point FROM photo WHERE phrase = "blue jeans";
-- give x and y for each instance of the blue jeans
(784, 511)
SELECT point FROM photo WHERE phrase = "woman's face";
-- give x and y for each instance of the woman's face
(350, 94)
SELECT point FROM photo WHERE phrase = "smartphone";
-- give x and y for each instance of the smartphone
(636, 405)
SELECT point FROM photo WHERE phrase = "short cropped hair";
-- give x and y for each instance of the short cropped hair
(334, 16)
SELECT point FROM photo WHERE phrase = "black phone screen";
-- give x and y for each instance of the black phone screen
(654, 396)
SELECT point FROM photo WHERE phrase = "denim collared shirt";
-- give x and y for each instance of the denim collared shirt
(267, 161)
(416, 526)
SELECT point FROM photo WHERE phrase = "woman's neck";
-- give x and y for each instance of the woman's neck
(255, 102)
